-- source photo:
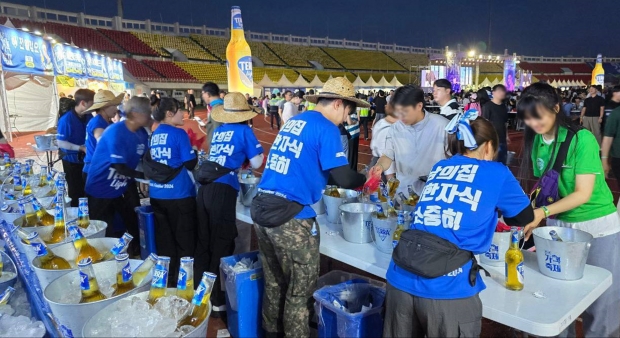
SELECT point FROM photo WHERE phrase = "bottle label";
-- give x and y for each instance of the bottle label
(127, 275)
(84, 284)
(394, 243)
(82, 210)
(600, 78)
(27, 167)
(39, 248)
(520, 272)
(245, 71)
(74, 232)
(515, 237)
(182, 280)
(22, 208)
(59, 213)
(17, 180)
(374, 197)
(118, 247)
(36, 205)
(237, 23)
(160, 277)
(379, 208)
(401, 218)
(199, 294)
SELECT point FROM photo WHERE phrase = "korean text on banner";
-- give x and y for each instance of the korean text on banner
(24, 53)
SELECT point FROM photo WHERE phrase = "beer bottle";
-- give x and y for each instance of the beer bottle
(554, 236)
(7, 161)
(160, 279)
(58, 233)
(413, 197)
(83, 218)
(119, 248)
(17, 182)
(384, 192)
(88, 282)
(45, 217)
(124, 278)
(139, 274)
(239, 57)
(391, 209)
(21, 234)
(185, 282)
(392, 186)
(26, 187)
(29, 168)
(47, 258)
(85, 249)
(379, 211)
(200, 302)
(514, 263)
(30, 218)
(400, 227)
(6, 295)
(43, 175)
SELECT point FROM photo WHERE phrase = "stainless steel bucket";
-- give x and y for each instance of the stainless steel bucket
(248, 190)
(383, 230)
(564, 260)
(357, 222)
(496, 254)
(89, 327)
(332, 204)
(74, 316)
(319, 207)
(44, 141)
(9, 272)
(68, 252)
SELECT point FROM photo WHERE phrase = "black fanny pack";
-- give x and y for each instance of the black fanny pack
(158, 172)
(270, 211)
(429, 256)
(210, 171)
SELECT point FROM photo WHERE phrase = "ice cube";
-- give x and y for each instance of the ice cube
(164, 327)
(185, 329)
(173, 307)
(175, 334)
(124, 330)
(6, 310)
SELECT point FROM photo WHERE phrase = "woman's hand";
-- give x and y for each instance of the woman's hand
(375, 171)
(539, 215)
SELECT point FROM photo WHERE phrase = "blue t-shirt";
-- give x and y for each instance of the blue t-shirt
(91, 142)
(459, 203)
(72, 128)
(232, 144)
(171, 146)
(303, 153)
(117, 145)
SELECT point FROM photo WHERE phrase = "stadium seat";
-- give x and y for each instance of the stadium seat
(183, 44)
(129, 42)
(299, 56)
(169, 70)
(140, 71)
(215, 45)
(205, 72)
(407, 59)
(363, 60)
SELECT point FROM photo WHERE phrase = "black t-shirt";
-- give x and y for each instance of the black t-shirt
(497, 114)
(380, 103)
(593, 106)
(192, 99)
(611, 105)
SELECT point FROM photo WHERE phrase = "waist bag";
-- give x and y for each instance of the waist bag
(430, 256)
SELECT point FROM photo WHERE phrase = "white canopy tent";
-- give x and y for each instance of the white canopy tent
(284, 82)
(554, 83)
(371, 83)
(358, 83)
(486, 83)
(316, 82)
(395, 82)
(301, 82)
(383, 83)
(581, 83)
(266, 82)
(495, 82)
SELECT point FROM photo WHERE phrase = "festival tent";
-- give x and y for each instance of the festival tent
(495, 82)
(581, 83)
(383, 83)
(562, 83)
(284, 82)
(358, 83)
(371, 83)
(554, 83)
(486, 83)
(266, 82)
(301, 82)
(395, 83)
(315, 83)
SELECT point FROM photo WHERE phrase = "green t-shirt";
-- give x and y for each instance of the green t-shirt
(582, 158)
(612, 129)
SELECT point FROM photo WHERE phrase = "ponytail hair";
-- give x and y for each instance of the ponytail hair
(160, 106)
(483, 132)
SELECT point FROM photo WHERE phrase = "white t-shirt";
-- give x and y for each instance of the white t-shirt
(288, 111)
(379, 135)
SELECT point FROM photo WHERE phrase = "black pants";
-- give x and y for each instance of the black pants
(364, 125)
(353, 152)
(190, 112)
(277, 117)
(175, 231)
(104, 209)
(217, 230)
(75, 183)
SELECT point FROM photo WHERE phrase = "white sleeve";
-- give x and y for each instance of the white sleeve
(68, 145)
(257, 161)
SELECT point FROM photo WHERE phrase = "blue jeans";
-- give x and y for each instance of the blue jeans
(502, 153)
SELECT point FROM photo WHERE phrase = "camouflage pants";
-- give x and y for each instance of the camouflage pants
(290, 257)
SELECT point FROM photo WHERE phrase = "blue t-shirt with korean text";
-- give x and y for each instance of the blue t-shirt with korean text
(459, 203)
(303, 153)
(96, 122)
(72, 128)
(117, 145)
(170, 146)
(232, 144)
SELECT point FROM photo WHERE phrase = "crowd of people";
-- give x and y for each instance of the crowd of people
(447, 157)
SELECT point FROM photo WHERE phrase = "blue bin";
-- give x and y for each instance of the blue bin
(146, 221)
(335, 322)
(244, 297)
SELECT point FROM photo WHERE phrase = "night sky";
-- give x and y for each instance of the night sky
(527, 27)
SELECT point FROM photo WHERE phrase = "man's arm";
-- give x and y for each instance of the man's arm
(605, 148)
(600, 119)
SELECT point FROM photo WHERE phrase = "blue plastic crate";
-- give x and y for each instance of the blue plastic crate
(335, 322)
(146, 220)
(244, 297)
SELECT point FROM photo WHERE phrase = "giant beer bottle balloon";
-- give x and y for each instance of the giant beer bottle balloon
(598, 73)
(239, 57)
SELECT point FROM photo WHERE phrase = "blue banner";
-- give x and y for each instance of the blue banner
(96, 66)
(115, 70)
(69, 61)
(24, 53)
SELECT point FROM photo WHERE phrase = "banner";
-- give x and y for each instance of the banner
(510, 65)
(96, 66)
(24, 53)
(453, 71)
(69, 61)
(115, 70)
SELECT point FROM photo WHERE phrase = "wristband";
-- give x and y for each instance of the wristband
(546, 211)
(604, 157)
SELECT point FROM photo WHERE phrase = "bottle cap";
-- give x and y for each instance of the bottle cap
(163, 258)
(153, 256)
(33, 235)
(187, 260)
(209, 275)
(122, 257)
(85, 262)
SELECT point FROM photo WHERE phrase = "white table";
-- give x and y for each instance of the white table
(564, 300)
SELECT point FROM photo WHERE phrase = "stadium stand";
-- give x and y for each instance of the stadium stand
(183, 44)
(216, 45)
(324, 74)
(406, 60)
(403, 78)
(140, 71)
(205, 72)
(264, 54)
(298, 56)
(169, 70)
(129, 42)
(274, 74)
(363, 59)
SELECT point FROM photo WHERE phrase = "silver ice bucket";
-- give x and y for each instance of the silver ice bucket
(44, 141)
(332, 204)
(564, 260)
(248, 190)
(9, 272)
(357, 222)
(383, 230)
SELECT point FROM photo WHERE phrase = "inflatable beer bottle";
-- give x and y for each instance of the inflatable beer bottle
(239, 57)
(598, 73)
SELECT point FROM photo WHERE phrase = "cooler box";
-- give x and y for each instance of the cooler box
(146, 221)
(244, 296)
(335, 321)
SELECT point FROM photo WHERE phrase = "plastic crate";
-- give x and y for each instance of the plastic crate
(146, 221)
(333, 321)
(337, 276)
(244, 297)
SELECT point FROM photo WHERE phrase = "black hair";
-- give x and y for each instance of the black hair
(499, 86)
(311, 92)
(483, 132)
(482, 97)
(536, 96)
(273, 96)
(443, 83)
(211, 88)
(381, 93)
(326, 101)
(408, 95)
(287, 92)
(85, 95)
(615, 89)
(162, 106)
(64, 105)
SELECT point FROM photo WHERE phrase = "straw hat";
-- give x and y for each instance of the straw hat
(338, 88)
(234, 110)
(105, 98)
